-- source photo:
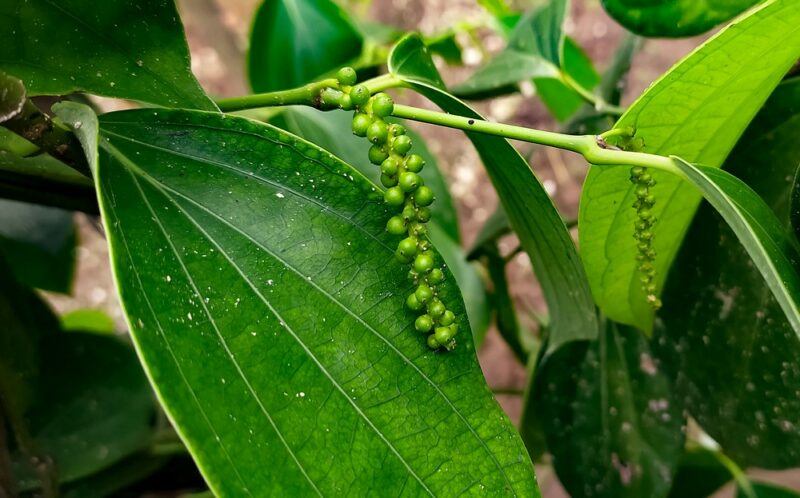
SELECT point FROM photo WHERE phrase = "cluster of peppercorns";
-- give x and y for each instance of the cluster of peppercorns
(643, 232)
(407, 194)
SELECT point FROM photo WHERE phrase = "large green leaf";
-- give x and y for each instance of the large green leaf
(295, 41)
(696, 111)
(674, 18)
(725, 318)
(531, 211)
(265, 302)
(131, 50)
(609, 416)
(38, 244)
(329, 131)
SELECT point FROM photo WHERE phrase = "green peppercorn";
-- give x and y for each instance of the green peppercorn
(359, 94)
(423, 196)
(436, 308)
(377, 154)
(637, 171)
(423, 323)
(409, 213)
(444, 334)
(396, 130)
(423, 263)
(345, 102)
(432, 343)
(408, 247)
(447, 318)
(423, 215)
(409, 181)
(388, 181)
(389, 166)
(413, 303)
(423, 293)
(401, 145)
(361, 122)
(346, 76)
(382, 105)
(414, 163)
(436, 276)
(396, 225)
(394, 196)
(377, 132)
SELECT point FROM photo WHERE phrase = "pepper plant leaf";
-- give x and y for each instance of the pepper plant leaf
(610, 418)
(530, 210)
(696, 111)
(293, 42)
(114, 48)
(267, 306)
(674, 18)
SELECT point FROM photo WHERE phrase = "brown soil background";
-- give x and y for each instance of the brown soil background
(217, 31)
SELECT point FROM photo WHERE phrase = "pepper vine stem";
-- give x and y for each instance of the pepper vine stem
(593, 148)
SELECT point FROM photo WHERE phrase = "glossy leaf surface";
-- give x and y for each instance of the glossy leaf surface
(12, 96)
(265, 301)
(609, 416)
(696, 111)
(296, 41)
(726, 312)
(114, 48)
(674, 18)
(531, 211)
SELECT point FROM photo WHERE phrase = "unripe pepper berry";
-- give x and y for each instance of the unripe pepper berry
(436, 308)
(444, 334)
(359, 94)
(436, 276)
(423, 196)
(423, 263)
(408, 247)
(423, 293)
(401, 145)
(377, 132)
(377, 155)
(382, 105)
(345, 102)
(423, 323)
(396, 130)
(389, 166)
(447, 318)
(396, 226)
(361, 122)
(413, 303)
(388, 181)
(394, 196)
(432, 342)
(409, 181)
(414, 163)
(409, 213)
(346, 76)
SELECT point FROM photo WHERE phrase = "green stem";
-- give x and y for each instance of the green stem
(738, 475)
(304, 95)
(589, 146)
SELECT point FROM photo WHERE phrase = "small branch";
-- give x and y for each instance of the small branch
(597, 101)
(308, 95)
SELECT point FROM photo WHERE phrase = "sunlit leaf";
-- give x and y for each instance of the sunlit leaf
(264, 298)
(696, 111)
